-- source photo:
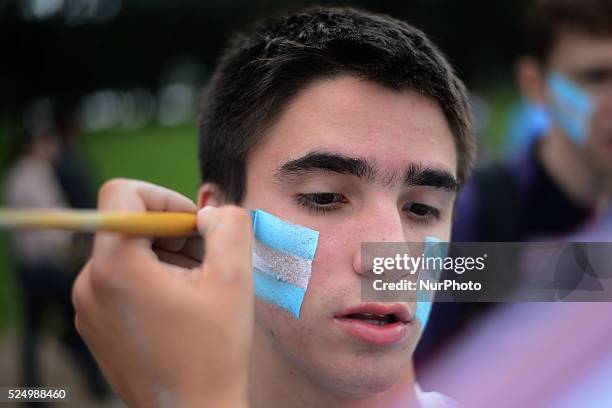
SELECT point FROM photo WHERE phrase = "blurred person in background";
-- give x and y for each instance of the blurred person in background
(562, 182)
(44, 176)
(74, 173)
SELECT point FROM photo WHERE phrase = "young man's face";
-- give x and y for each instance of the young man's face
(587, 61)
(369, 138)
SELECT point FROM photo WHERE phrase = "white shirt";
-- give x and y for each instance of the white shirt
(432, 399)
(31, 183)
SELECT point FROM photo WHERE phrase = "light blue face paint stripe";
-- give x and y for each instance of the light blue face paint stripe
(422, 313)
(283, 294)
(433, 248)
(277, 241)
(284, 236)
(571, 108)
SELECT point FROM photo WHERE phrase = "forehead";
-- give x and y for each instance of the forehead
(575, 49)
(357, 117)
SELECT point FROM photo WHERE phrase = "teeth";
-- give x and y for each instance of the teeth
(374, 318)
(376, 322)
(382, 316)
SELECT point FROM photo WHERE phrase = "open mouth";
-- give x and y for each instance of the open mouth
(376, 324)
(372, 318)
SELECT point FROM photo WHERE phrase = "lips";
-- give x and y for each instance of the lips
(376, 323)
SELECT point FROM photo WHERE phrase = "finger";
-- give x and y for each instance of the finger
(227, 245)
(137, 196)
(83, 301)
(177, 259)
(78, 290)
(85, 305)
(194, 248)
(189, 246)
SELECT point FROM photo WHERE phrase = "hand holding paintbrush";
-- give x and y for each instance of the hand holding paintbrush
(165, 328)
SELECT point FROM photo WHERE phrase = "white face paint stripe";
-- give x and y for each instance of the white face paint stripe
(286, 267)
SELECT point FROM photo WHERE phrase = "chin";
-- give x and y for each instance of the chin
(362, 375)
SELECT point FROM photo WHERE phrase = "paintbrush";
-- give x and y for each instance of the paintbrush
(154, 224)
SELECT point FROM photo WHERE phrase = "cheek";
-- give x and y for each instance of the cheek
(326, 252)
(442, 232)
(333, 256)
(275, 322)
(286, 335)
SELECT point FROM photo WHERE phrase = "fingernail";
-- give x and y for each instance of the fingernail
(204, 210)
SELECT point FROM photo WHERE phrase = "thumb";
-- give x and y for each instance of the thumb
(228, 240)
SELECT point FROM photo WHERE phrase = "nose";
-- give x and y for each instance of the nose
(380, 225)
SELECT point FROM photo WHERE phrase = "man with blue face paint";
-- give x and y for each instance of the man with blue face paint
(565, 175)
(334, 127)
(563, 179)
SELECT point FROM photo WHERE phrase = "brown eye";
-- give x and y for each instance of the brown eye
(326, 198)
(422, 212)
(321, 202)
(595, 76)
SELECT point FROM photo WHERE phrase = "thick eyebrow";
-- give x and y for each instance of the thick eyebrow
(325, 161)
(417, 175)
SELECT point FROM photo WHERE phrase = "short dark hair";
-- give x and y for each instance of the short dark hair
(260, 73)
(548, 18)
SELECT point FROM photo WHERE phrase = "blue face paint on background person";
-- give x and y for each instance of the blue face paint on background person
(571, 107)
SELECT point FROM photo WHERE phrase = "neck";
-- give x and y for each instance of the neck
(572, 170)
(276, 382)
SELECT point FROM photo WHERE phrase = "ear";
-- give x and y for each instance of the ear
(531, 80)
(210, 194)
